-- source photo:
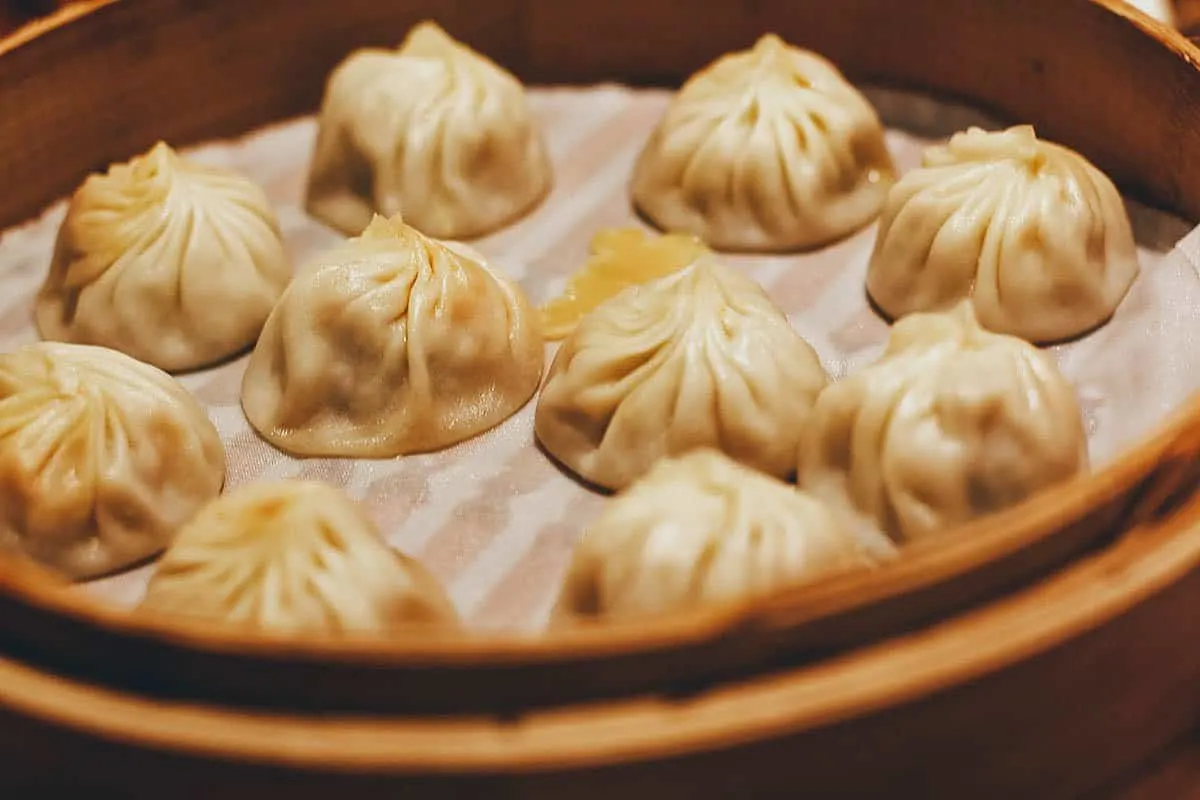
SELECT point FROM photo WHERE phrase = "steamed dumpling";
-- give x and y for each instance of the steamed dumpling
(699, 358)
(702, 529)
(764, 150)
(435, 131)
(102, 458)
(293, 557)
(1034, 235)
(392, 343)
(953, 422)
(174, 263)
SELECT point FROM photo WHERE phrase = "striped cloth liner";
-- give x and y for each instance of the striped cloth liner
(493, 517)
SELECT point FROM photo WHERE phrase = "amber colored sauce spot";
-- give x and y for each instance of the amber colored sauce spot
(619, 258)
(270, 508)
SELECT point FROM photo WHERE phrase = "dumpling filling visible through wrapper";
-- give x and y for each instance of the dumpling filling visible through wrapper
(768, 149)
(951, 423)
(434, 131)
(392, 343)
(175, 263)
(700, 358)
(102, 457)
(701, 529)
(294, 557)
(1030, 232)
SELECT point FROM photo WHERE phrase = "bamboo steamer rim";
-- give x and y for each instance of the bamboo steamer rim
(923, 569)
(1097, 590)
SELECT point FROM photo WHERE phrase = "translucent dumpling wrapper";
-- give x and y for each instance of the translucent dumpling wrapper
(392, 343)
(102, 458)
(434, 131)
(767, 149)
(619, 257)
(294, 557)
(699, 358)
(172, 262)
(953, 422)
(702, 529)
(1030, 232)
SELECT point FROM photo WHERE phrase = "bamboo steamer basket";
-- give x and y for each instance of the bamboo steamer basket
(955, 665)
(104, 80)
(1066, 688)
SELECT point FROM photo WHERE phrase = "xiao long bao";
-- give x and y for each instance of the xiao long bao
(1034, 235)
(768, 149)
(951, 423)
(699, 358)
(174, 263)
(392, 343)
(102, 457)
(294, 557)
(433, 131)
(702, 529)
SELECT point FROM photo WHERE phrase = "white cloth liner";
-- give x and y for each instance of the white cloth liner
(493, 517)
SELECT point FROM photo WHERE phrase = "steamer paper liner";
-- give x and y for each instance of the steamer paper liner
(493, 517)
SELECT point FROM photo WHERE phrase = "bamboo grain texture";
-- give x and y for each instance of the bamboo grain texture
(1046, 655)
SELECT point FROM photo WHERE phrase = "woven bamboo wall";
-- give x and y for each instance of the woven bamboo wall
(14, 13)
